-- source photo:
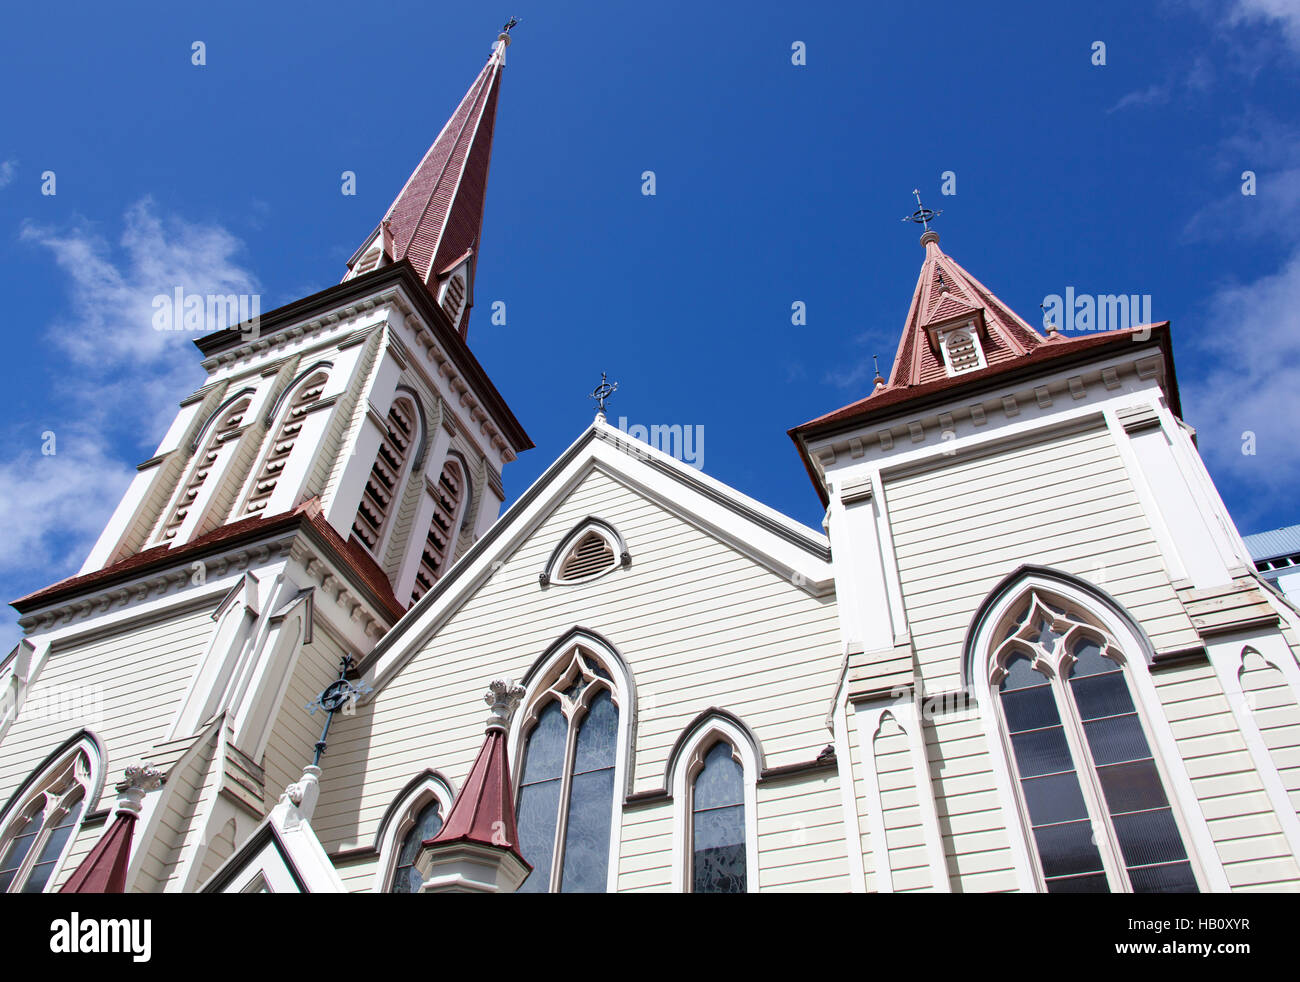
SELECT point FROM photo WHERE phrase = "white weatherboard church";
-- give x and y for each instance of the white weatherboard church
(1028, 652)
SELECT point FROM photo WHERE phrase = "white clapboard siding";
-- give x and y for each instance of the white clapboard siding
(971, 817)
(1245, 829)
(801, 835)
(1278, 717)
(700, 624)
(645, 861)
(904, 848)
(295, 731)
(1066, 503)
(140, 674)
(191, 792)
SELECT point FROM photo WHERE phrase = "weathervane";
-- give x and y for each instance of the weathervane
(513, 22)
(602, 392)
(923, 216)
(334, 697)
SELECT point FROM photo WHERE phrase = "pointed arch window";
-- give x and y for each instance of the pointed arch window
(567, 779)
(229, 421)
(282, 446)
(406, 878)
(1091, 788)
(386, 474)
(35, 840)
(439, 542)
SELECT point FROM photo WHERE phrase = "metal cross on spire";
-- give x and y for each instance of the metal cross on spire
(923, 216)
(602, 392)
(512, 22)
(334, 697)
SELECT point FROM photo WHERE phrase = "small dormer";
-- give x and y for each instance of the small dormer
(961, 349)
(455, 291)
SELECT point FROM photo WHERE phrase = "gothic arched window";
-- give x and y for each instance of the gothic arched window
(35, 838)
(567, 779)
(406, 878)
(718, 863)
(439, 542)
(1091, 789)
(386, 474)
(277, 455)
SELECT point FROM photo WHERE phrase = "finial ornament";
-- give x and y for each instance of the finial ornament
(923, 216)
(602, 392)
(140, 780)
(878, 382)
(338, 694)
(502, 697)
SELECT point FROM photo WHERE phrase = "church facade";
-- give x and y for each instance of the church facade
(1028, 650)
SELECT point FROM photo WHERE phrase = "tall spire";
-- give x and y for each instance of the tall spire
(436, 221)
(947, 296)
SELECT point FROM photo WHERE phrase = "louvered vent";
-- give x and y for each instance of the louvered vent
(283, 443)
(593, 554)
(384, 475)
(438, 543)
(226, 429)
(368, 262)
(453, 297)
(963, 355)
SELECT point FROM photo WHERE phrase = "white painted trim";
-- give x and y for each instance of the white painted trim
(432, 788)
(689, 758)
(848, 796)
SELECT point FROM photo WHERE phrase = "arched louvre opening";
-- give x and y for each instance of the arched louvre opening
(439, 542)
(591, 555)
(406, 878)
(227, 428)
(453, 296)
(35, 839)
(566, 788)
(1090, 785)
(282, 445)
(385, 474)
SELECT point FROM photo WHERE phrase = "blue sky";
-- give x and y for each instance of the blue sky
(775, 183)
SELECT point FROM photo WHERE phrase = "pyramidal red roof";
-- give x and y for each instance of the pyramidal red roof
(104, 869)
(484, 811)
(437, 218)
(944, 293)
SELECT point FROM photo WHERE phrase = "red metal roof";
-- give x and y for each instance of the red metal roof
(438, 215)
(484, 811)
(104, 869)
(350, 555)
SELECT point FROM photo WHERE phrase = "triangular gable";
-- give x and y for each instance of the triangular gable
(767, 537)
(282, 855)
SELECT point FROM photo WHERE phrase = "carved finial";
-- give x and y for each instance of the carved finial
(923, 216)
(140, 780)
(502, 697)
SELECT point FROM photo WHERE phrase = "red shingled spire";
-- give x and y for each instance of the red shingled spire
(436, 220)
(947, 294)
(104, 869)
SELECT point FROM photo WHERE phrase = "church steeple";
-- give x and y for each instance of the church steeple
(435, 222)
(955, 324)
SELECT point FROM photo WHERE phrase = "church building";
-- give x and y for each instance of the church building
(1026, 651)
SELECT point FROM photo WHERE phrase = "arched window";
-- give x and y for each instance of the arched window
(38, 831)
(229, 421)
(712, 774)
(406, 878)
(439, 543)
(568, 777)
(277, 456)
(386, 474)
(1092, 791)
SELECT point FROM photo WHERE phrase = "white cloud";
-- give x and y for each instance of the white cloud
(115, 383)
(1283, 14)
(1251, 343)
(8, 168)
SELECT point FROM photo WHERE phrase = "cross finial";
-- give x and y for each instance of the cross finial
(923, 216)
(877, 382)
(512, 22)
(602, 392)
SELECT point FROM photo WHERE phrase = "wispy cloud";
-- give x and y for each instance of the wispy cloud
(1282, 15)
(8, 171)
(113, 381)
